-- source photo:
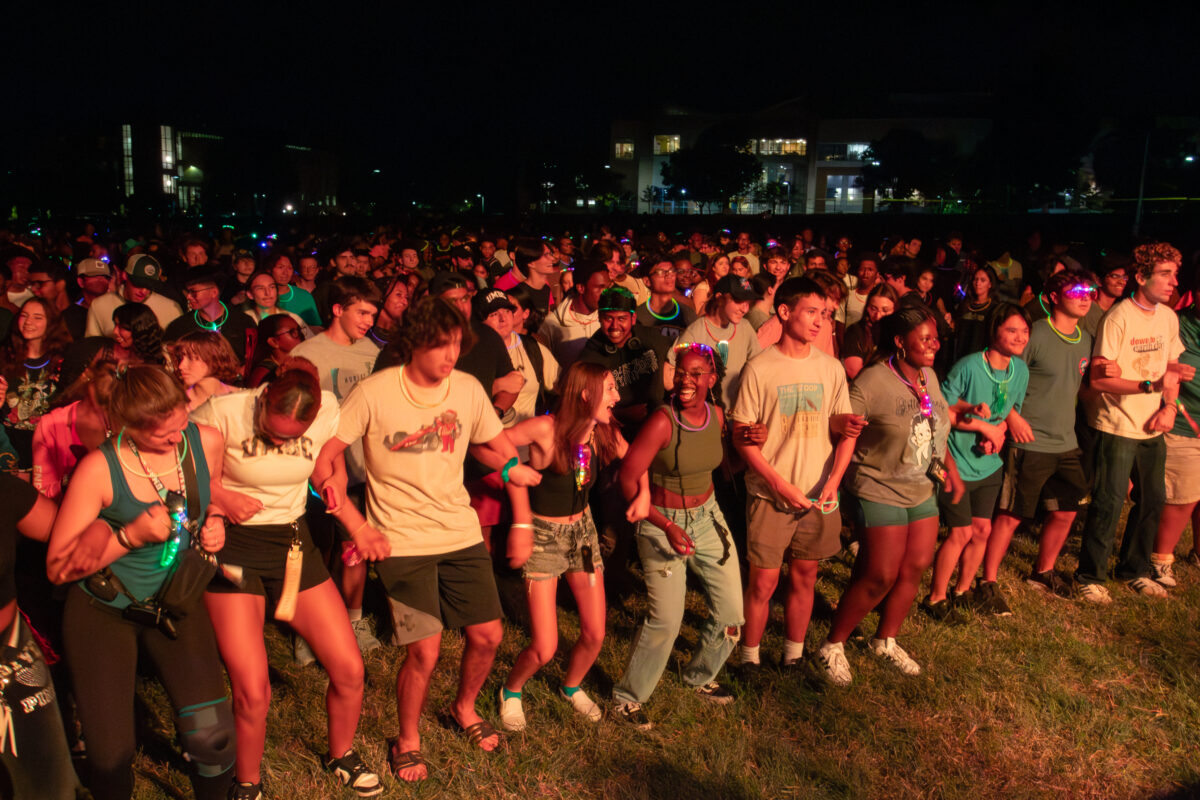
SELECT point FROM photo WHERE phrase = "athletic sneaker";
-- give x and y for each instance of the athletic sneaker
(364, 636)
(1163, 573)
(888, 649)
(1051, 582)
(632, 715)
(352, 772)
(715, 693)
(301, 651)
(586, 707)
(942, 611)
(988, 600)
(245, 791)
(832, 659)
(1095, 593)
(1147, 587)
(512, 713)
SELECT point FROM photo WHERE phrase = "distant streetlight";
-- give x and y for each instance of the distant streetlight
(1189, 159)
(788, 184)
(482, 205)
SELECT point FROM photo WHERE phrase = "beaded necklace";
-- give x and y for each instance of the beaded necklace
(175, 502)
(583, 461)
(921, 389)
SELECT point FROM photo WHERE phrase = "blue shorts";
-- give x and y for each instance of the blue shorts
(880, 515)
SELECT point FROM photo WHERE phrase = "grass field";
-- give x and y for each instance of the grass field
(1063, 699)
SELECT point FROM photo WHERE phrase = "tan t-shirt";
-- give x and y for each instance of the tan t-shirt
(276, 475)
(794, 398)
(414, 455)
(1143, 346)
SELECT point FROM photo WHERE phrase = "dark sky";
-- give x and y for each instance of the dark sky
(443, 84)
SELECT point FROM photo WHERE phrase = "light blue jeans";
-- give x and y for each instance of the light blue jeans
(716, 563)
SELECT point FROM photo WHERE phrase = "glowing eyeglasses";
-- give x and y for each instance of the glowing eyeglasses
(1079, 291)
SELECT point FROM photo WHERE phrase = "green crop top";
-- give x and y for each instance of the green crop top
(686, 464)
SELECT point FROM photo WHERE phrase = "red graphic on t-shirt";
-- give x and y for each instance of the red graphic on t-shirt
(440, 433)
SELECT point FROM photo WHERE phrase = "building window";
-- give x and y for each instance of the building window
(782, 147)
(855, 150)
(127, 157)
(167, 146)
(665, 144)
(624, 150)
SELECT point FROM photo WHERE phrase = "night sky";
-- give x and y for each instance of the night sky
(418, 92)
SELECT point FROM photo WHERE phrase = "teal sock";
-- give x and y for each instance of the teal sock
(509, 694)
(570, 690)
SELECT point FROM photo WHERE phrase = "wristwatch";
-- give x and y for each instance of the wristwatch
(1146, 387)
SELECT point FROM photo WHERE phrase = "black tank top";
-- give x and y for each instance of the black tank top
(557, 495)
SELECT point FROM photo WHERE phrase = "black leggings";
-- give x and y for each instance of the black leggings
(102, 650)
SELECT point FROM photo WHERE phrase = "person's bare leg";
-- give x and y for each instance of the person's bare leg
(918, 555)
(412, 688)
(1055, 531)
(479, 654)
(875, 570)
(946, 561)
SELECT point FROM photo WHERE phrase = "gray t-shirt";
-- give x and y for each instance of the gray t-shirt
(1056, 370)
(894, 451)
(736, 344)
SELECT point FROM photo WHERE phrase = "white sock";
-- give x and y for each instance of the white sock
(749, 655)
(355, 614)
(792, 651)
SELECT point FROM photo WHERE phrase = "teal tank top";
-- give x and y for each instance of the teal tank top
(139, 569)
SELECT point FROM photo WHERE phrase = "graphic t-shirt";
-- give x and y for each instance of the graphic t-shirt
(1056, 371)
(972, 379)
(794, 398)
(276, 475)
(1142, 346)
(415, 440)
(341, 367)
(894, 451)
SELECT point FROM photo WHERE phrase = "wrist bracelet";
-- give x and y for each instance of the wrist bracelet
(359, 528)
(122, 536)
(512, 462)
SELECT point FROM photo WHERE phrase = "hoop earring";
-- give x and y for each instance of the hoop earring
(903, 353)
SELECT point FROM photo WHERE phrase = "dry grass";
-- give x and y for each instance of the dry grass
(1062, 700)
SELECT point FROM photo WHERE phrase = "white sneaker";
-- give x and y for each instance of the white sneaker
(512, 713)
(363, 635)
(1163, 573)
(586, 707)
(1095, 593)
(1147, 587)
(832, 659)
(888, 649)
(301, 651)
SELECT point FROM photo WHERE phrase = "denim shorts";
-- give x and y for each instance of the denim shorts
(560, 547)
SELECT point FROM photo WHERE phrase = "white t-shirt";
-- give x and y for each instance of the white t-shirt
(414, 457)
(794, 398)
(275, 475)
(852, 308)
(1142, 346)
(341, 367)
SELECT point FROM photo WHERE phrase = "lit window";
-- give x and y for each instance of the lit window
(167, 146)
(127, 157)
(855, 150)
(665, 144)
(782, 147)
(624, 150)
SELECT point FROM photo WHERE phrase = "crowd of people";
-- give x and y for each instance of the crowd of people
(198, 438)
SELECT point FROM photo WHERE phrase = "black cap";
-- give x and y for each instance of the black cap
(736, 287)
(485, 303)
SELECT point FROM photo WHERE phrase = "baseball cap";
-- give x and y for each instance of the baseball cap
(736, 287)
(144, 271)
(445, 281)
(485, 303)
(91, 268)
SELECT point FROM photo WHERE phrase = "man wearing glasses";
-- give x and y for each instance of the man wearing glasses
(1048, 471)
(665, 311)
(202, 290)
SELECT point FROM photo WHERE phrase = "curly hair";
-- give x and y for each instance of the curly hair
(429, 322)
(213, 350)
(147, 334)
(1146, 256)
